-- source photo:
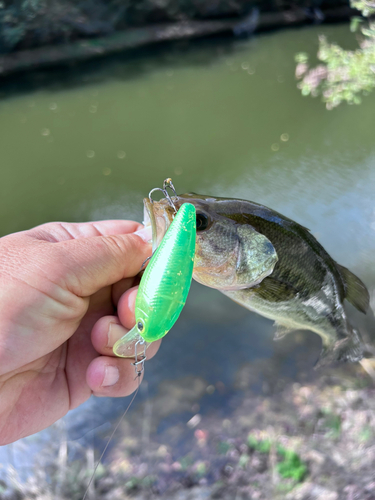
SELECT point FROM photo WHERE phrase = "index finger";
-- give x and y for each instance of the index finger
(63, 231)
(88, 264)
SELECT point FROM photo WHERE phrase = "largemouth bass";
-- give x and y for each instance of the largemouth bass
(274, 266)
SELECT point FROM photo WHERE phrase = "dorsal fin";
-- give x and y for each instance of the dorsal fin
(355, 291)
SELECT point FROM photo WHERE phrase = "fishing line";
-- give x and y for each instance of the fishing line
(113, 433)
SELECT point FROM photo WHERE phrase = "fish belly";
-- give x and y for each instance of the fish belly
(315, 313)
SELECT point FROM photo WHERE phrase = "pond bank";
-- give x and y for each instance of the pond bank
(132, 38)
(303, 441)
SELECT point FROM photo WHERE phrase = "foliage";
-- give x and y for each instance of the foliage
(366, 7)
(261, 445)
(345, 75)
(33, 23)
(13, 25)
(289, 465)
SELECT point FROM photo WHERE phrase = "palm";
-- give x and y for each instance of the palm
(61, 285)
(56, 382)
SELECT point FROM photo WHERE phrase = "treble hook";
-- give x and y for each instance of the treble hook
(166, 184)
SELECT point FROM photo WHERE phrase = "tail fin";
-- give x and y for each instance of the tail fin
(350, 349)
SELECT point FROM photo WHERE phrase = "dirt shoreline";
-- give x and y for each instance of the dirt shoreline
(308, 441)
(312, 440)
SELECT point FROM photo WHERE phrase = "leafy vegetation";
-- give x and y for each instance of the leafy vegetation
(289, 465)
(261, 445)
(344, 75)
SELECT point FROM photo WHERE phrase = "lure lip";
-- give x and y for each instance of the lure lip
(126, 346)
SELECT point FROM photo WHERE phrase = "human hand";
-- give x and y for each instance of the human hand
(66, 296)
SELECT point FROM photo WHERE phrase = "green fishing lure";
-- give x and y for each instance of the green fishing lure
(165, 284)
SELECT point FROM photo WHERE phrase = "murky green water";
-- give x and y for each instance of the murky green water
(220, 118)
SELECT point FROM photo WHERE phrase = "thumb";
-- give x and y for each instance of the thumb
(98, 261)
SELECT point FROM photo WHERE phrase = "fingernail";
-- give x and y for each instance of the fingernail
(115, 332)
(111, 376)
(145, 234)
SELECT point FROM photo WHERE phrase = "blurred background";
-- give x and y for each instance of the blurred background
(224, 411)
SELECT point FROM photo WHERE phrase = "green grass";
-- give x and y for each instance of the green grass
(261, 445)
(289, 465)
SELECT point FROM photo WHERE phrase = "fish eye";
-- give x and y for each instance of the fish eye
(140, 326)
(202, 221)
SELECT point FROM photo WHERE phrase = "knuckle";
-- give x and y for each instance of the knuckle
(117, 244)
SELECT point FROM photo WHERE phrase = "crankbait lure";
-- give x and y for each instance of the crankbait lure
(162, 292)
(164, 285)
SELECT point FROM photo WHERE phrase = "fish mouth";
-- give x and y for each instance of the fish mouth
(158, 215)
